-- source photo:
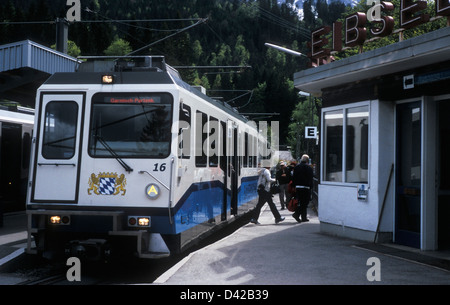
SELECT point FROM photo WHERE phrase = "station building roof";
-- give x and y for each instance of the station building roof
(427, 49)
(25, 65)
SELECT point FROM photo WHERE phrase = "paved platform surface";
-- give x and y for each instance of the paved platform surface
(13, 235)
(275, 254)
(296, 254)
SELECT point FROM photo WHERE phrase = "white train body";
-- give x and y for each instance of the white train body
(129, 152)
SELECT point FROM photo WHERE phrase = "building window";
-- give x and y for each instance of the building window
(333, 145)
(346, 145)
(357, 145)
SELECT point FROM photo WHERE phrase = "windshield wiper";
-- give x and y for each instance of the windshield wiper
(114, 154)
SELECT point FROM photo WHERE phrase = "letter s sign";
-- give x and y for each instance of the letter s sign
(74, 13)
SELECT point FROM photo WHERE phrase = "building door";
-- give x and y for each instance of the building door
(408, 175)
(57, 158)
(443, 169)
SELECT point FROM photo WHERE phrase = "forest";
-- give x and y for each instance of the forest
(234, 34)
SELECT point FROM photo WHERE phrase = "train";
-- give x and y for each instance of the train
(16, 129)
(128, 159)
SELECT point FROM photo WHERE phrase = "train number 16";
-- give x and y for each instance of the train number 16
(159, 167)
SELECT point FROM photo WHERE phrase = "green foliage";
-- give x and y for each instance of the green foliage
(72, 49)
(234, 34)
(306, 113)
(119, 47)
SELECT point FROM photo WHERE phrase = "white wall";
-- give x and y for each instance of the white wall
(338, 202)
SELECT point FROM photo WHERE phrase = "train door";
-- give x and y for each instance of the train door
(223, 165)
(57, 159)
(233, 170)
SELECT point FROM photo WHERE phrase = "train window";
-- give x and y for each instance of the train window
(133, 125)
(245, 148)
(201, 137)
(252, 151)
(184, 132)
(60, 127)
(214, 142)
(223, 146)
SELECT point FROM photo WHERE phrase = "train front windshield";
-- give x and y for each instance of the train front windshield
(131, 125)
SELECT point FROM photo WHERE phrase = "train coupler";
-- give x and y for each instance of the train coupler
(90, 249)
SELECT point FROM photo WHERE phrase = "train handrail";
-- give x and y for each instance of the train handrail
(57, 164)
(142, 172)
(167, 187)
(170, 193)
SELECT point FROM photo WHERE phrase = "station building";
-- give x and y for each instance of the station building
(385, 142)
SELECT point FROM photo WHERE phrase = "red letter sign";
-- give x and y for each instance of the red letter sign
(408, 18)
(386, 21)
(443, 7)
(317, 42)
(355, 32)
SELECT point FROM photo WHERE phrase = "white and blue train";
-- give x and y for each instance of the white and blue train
(128, 158)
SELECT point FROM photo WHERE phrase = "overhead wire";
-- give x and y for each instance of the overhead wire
(277, 20)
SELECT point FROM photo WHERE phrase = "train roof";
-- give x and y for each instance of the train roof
(132, 70)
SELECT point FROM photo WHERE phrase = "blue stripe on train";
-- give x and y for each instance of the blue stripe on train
(203, 201)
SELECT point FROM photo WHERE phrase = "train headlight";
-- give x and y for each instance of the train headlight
(59, 220)
(144, 221)
(108, 79)
(152, 191)
(55, 219)
(139, 221)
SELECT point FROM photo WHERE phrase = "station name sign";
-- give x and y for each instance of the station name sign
(355, 33)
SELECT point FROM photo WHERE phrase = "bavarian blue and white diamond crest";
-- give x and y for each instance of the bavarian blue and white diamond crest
(107, 186)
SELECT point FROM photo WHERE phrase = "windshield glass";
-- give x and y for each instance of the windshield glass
(133, 125)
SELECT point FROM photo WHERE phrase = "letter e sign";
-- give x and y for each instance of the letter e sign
(310, 132)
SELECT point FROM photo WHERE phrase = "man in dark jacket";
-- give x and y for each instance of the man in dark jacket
(283, 177)
(303, 181)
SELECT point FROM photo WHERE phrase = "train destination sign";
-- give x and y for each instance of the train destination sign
(134, 100)
(411, 15)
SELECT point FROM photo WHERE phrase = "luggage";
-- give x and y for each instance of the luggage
(292, 204)
(291, 188)
(274, 188)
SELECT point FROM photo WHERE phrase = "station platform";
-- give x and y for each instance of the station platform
(287, 253)
(291, 253)
(13, 242)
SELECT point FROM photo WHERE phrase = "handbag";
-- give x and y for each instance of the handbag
(291, 188)
(292, 204)
(274, 188)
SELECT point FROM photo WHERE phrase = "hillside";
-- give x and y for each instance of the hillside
(234, 34)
